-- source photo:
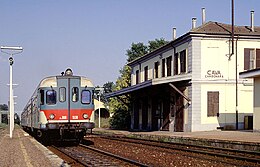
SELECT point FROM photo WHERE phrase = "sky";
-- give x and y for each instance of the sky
(92, 36)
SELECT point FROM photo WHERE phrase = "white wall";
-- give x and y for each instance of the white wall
(256, 118)
(218, 74)
(150, 64)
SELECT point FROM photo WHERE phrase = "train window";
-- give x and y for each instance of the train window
(62, 94)
(42, 96)
(85, 97)
(75, 94)
(51, 97)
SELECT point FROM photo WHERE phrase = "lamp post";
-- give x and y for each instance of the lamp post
(11, 50)
(100, 90)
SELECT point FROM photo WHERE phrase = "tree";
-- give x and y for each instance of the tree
(137, 50)
(3, 107)
(120, 106)
(157, 43)
(108, 87)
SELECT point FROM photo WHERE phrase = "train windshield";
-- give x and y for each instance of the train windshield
(85, 97)
(75, 94)
(62, 94)
(51, 97)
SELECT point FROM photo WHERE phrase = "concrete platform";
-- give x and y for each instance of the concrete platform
(243, 140)
(24, 151)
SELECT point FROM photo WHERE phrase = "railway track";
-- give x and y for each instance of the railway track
(226, 153)
(83, 155)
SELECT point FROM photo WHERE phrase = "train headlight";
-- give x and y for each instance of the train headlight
(85, 116)
(51, 116)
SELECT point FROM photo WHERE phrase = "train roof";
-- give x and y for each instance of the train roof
(52, 81)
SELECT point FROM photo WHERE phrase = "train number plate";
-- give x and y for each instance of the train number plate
(63, 117)
(75, 117)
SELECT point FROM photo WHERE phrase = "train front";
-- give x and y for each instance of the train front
(66, 106)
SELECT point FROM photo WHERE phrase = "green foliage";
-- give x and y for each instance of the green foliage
(104, 122)
(136, 50)
(120, 119)
(157, 43)
(108, 87)
(124, 80)
(119, 106)
(3, 107)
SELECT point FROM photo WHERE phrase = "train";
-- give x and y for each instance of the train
(60, 108)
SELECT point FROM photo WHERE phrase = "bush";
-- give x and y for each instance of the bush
(120, 120)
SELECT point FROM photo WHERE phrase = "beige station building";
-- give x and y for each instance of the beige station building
(192, 83)
(255, 74)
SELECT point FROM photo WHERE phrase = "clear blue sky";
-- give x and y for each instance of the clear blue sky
(92, 37)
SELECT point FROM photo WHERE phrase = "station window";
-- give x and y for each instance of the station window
(85, 97)
(251, 58)
(156, 69)
(163, 67)
(146, 73)
(75, 94)
(169, 66)
(176, 63)
(62, 94)
(183, 61)
(51, 97)
(137, 77)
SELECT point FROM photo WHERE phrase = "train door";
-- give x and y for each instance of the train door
(68, 96)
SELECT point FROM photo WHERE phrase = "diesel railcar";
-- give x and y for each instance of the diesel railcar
(60, 108)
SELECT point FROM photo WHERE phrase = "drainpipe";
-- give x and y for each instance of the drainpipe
(232, 31)
(236, 88)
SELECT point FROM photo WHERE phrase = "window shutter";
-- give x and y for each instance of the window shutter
(175, 64)
(246, 58)
(169, 66)
(257, 58)
(213, 104)
(163, 67)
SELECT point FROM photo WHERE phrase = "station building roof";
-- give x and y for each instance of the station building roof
(254, 73)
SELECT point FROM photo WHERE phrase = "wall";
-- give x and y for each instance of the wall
(256, 118)
(218, 74)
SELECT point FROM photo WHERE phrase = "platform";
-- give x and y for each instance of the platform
(22, 150)
(243, 140)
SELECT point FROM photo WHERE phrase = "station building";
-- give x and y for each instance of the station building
(255, 74)
(192, 83)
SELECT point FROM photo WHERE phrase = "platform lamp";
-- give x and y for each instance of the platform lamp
(11, 50)
(100, 91)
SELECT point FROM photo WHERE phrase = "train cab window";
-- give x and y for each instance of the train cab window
(42, 97)
(51, 97)
(85, 97)
(62, 94)
(75, 94)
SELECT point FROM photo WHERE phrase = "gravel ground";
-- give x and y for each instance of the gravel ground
(158, 156)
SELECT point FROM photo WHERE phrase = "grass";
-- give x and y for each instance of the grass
(104, 123)
(2, 125)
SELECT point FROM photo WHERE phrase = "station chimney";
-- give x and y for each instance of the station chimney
(173, 33)
(203, 10)
(252, 21)
(194, 20)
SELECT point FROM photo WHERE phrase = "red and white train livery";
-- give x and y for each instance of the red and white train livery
(60, 108)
